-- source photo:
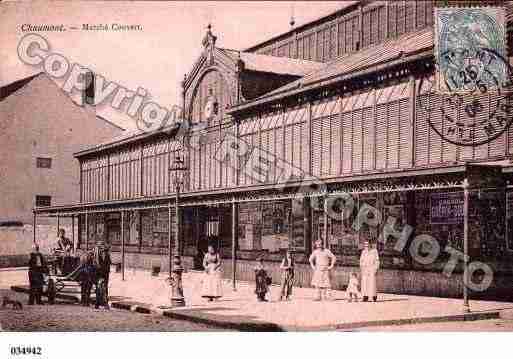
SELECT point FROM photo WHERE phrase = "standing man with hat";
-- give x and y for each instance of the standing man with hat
(322, 261)
(37, 270)
(369, 265)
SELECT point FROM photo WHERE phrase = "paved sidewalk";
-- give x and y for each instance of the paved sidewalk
(302, 313)
(240, 310)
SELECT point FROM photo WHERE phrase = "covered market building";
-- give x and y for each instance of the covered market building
(342, 105)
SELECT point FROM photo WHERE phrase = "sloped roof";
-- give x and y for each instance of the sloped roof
(400, 47)
(274, 64)
(126, 136)
(343, 6)
(9, 89)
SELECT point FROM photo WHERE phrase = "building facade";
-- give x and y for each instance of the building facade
(41, 129)
(337, 109)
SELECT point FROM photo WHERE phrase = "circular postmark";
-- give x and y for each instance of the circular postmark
(478, 104)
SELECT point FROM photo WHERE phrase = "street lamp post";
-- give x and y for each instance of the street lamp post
(465, 185)
(176, 269)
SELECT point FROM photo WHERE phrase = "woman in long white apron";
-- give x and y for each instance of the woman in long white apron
(369, 264)
(212, 283)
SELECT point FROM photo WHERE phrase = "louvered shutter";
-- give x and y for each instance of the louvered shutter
(405, 133)
(336, 143)
(325, 143)
(368, 137)
(410, 16)
(381, 136)
(357, 140)
(296, 146)
(356, 33)
(319, 45)
(366, 23)
(374, 26)
(347, 141)
(401, 17)
(393, 135)
(421, 14)
(341, 38)
(316, 146)
(349, 35)
(382, 24)
(435, 141)
(333, 41)
(498, 145)
(429, 12)
(265, 147)
(422, 147)
(278, 139)
(392, 19)
(115, 161)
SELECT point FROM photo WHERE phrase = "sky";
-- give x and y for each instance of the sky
(155, 58)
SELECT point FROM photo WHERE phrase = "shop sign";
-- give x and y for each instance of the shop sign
(447, 208)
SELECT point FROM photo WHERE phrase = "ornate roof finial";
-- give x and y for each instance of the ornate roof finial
(209, 41)
(292, 20)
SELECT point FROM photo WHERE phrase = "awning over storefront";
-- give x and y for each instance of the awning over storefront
(412, 180)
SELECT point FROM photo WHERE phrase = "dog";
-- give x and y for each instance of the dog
(15, 303)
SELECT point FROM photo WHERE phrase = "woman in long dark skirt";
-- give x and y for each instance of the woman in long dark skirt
(261, 280)
(287, 276)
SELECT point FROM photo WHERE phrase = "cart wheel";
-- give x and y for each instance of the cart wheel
(51, 291)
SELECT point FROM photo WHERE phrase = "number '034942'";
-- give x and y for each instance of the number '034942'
(26, 350)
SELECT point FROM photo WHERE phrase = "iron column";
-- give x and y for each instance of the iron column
(122, 245)
(465, 245)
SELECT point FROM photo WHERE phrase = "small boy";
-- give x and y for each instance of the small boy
(352, 288)
(262, 281)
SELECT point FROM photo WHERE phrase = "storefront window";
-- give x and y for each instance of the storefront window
(394, 207)
(271, 225)
(342, 237)
(113, 222)
(487, 225)
(275, 225)
(249, 220)
(154, 228)
(132, 228)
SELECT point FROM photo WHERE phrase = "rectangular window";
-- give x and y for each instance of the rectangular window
(43, 162)
(43, 201)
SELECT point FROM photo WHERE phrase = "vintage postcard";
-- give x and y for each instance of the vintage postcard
(255, 166)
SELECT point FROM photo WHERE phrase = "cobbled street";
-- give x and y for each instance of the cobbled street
(73, 317)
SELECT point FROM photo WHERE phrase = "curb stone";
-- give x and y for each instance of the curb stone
(272, 327)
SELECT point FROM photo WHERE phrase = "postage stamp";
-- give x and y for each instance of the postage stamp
(471, 99)
(468, 45)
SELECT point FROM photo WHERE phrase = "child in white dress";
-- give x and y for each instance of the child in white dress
(352, 291)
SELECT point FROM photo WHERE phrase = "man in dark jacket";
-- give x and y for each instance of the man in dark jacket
(86, 277)
(102, 264)
(37, 269)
